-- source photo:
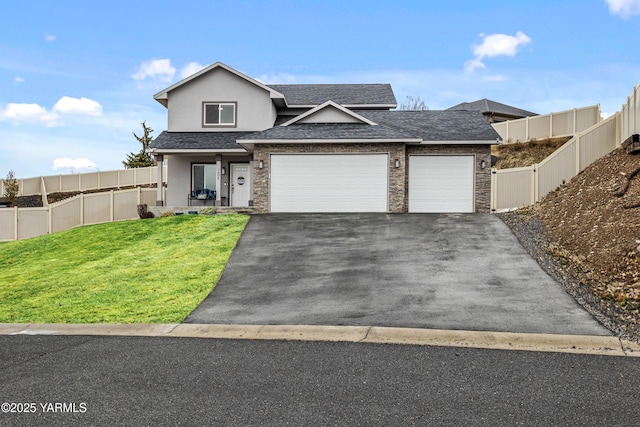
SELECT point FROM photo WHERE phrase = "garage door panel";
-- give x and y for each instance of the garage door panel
(441, 184)
(329, 183)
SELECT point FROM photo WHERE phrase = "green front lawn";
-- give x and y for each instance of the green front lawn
(144, 271)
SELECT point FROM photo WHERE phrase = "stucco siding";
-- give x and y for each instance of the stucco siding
(254, 109)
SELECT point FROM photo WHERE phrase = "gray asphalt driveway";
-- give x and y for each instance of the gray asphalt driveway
(414, 270)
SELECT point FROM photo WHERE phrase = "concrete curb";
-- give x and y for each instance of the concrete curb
(577, 344)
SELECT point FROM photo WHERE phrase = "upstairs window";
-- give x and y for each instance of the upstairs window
(219, 114)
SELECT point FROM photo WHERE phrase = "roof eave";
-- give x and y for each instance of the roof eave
(248, 144)
(461, 142)
(195, 151)
(350, 106)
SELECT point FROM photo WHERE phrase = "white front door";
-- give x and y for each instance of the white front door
(240, 184)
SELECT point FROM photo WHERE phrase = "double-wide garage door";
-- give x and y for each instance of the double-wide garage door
(441, 184)
(329, 182)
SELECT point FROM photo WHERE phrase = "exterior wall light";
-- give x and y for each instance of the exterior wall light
(397, 163)
(223, 171)
(483, 165)
(260, 164)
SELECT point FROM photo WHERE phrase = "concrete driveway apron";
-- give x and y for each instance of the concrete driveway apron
(439, 271)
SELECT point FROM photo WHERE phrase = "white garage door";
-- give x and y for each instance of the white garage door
(329, 182)
(441, 184)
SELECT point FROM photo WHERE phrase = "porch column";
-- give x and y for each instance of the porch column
(159, 198)
(218, 180)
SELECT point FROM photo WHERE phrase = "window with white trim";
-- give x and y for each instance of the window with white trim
(219, 114)
(203, 179)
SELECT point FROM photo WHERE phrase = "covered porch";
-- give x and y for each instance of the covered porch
(204, 169)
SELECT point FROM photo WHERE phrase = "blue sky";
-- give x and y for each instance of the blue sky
(77, 77)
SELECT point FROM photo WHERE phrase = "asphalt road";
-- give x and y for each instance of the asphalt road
(184, 381)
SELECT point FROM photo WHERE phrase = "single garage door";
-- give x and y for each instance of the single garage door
(329, 182)
(441, 184)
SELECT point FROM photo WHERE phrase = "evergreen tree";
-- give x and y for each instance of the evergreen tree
(141, 159)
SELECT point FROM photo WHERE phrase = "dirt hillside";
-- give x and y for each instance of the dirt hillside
(592, 229)
(522, 154)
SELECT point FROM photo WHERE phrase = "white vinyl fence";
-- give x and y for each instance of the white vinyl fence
(630, 115)
(83, 209)
(87, 181)
(563, 123)
(518, 187)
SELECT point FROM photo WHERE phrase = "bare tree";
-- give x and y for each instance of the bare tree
(414, 104)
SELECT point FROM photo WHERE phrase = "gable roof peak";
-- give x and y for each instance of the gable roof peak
(162, 96)
(331, 104)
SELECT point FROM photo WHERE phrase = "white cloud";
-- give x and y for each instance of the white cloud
(18, 79)
(35, 113)
(191, 68)
(81, 106)
(624, 8)
(49, 37)
(496, 45)
(155, 69)
(32, 113)
(73, 165)
(280, 78)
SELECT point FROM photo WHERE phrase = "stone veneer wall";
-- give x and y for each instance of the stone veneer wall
(397, 179)
(483, 176)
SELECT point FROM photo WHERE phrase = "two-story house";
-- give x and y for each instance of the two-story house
(232, 140)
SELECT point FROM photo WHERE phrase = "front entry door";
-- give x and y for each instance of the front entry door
(240, 184)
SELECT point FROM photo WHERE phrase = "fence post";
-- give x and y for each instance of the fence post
(15, 223)
(81, 208)
(536, 184)
(551, 125)
(43, 192)
(112, 206)
(526, 129)
(618, 130)
(578, 163)
(575, 120)
(49, 219)
(492, 202)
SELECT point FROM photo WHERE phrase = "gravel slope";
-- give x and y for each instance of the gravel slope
(587, 236)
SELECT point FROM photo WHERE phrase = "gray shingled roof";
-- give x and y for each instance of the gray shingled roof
(487, 106)
(343, 94)
(435, 125)
(197, 140)
(329, 131)
(430, 125)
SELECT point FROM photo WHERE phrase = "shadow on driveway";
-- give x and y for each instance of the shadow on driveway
(435, 271)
